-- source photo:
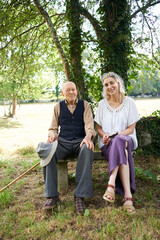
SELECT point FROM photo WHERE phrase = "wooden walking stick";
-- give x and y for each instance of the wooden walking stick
(15, 180)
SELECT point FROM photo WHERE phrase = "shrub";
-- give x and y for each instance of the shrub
(151, 125)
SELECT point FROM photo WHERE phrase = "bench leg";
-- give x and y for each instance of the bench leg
(62, 175)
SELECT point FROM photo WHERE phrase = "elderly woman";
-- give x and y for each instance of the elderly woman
(116, 119)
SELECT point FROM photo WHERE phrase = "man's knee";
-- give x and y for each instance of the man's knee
(86, 154)
(85, 149)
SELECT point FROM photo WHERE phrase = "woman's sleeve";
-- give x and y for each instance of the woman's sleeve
(98, 115)
(133, 115)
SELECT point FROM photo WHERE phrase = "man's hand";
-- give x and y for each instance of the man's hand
(52, 139)
(106, 139)
(88, 143)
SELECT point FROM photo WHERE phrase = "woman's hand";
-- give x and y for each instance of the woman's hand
(106, 139)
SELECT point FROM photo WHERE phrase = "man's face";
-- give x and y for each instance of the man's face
(70, 92)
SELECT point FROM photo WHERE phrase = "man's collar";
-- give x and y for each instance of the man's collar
(75, 103)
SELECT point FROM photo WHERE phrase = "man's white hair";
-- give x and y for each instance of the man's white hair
(64, 85)
(117, 78)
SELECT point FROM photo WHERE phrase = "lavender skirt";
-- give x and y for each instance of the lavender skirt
(115, 154)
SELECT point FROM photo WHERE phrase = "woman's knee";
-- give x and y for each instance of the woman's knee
(121, 138)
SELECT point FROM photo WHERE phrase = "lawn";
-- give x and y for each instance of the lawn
(20, 204)
(32, 122)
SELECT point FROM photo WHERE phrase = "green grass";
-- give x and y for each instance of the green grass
(9, 123)
(27, 150)
(22, 217)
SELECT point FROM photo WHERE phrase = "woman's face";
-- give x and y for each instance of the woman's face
(111, 85)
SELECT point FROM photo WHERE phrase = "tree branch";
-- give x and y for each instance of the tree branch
(152, 42)
(28, 30)
(19, 35)
(92, 20)
(55, 38)
(151, 34)
(141, 9)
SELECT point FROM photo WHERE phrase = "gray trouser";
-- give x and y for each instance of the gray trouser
(65, 149)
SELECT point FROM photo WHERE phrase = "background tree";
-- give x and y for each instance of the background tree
(75, 45)
(24, 53)
(116, 37)
(113, 32)
(108, 36)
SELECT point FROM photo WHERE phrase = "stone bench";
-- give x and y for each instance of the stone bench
(62, 167)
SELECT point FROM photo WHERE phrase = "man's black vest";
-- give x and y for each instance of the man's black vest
(71, 125)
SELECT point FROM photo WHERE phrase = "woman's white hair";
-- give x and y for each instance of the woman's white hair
(117, 78)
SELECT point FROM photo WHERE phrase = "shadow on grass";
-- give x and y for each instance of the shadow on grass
(9, 123)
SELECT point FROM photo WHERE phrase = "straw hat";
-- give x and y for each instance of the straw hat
(45, 151)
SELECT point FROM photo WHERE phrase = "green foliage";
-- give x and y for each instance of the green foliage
(28, 150)
(156, 113)
(94, 87)
(115, 43)
(75, 46)
(86, 214)
(6, 198)
(57, 90)
(26, 52)
(27, 48)
(72, 176)
(145, 80)
(147, 174)
(150, 125)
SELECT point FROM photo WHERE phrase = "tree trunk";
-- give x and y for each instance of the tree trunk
(14, 104)
(75, 43)
(4, 104)
(115, 45)
(10, 107)
(113, 34)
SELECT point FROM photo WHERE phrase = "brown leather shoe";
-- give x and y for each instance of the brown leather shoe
(79, 205)
(50, 203)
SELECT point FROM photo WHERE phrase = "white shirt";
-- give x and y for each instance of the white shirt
(114, 120)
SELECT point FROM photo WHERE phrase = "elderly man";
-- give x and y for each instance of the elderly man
(74, 117)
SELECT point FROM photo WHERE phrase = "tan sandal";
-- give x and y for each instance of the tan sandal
(129, 207)
(107, 193)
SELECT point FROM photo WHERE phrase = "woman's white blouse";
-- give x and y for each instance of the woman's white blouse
(113, 120)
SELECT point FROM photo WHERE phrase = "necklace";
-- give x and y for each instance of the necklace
(71, 106)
